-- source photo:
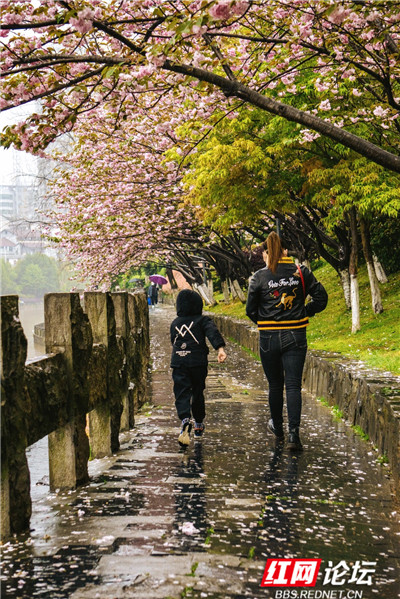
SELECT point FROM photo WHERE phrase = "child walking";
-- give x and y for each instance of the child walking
(189, 361)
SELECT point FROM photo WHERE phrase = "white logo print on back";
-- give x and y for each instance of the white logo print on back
(183, 330)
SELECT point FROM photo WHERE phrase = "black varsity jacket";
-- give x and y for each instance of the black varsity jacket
(277, 301)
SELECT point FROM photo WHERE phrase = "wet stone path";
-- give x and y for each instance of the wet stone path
(159, 523)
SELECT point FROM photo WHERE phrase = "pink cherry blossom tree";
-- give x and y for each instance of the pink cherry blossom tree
(119, 201)
(77, 56)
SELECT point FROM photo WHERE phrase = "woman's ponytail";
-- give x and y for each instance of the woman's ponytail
(274, 250)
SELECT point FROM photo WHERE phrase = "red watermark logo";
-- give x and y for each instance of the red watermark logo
(304, 572)
(290, 572)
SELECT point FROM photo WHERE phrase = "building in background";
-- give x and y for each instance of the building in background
(18, 201)
(7, 201)
(23, 204)
(10, 249)
(23, 198)
(19, 239)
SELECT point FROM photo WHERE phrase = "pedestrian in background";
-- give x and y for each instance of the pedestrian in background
(153, 294)
(276, 302)
(189, 361)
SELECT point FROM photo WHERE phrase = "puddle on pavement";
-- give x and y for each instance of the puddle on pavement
(55, 576)
(235, 496)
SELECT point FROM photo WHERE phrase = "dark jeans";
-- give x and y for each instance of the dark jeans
(189, 384)
(282, 355)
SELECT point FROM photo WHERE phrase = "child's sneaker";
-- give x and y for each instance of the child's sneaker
(198, 430)
(184, 435)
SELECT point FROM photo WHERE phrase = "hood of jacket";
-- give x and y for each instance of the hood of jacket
(188, 303)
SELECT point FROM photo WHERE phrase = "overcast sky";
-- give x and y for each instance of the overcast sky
(13, 163)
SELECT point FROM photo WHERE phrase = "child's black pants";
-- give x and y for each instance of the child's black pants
(189, 385)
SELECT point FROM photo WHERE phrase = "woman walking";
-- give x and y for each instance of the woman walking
(276, 303)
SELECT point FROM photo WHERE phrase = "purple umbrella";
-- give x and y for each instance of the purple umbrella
(158, 279)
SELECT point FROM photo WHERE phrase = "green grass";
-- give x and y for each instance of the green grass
(251, 353)
(210, 532)
(187, 592)
(360, 432)
(337, 413)
(324, 401)
(328, 501)
(377, 344)
(193, 569)
(382, 459)
(146, 409)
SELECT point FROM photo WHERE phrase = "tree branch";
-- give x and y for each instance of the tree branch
(290, 113)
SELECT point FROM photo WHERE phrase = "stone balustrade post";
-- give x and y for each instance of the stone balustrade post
(15, 480)
(100, 310)
(132, 352)
(120, 300)
(99, 419)
(138, 348)
(5, 529)
(68, 331)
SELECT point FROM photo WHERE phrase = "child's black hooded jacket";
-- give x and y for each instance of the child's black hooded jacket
(189, 331)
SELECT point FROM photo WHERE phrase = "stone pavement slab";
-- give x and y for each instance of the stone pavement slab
(243, 499)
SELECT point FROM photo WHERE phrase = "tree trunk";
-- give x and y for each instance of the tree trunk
(232, 289)
(225, 290)
(373, 281)
(211, 287)
(376, 297)
(379, 270)
(205, 293)
(171, 278)
(345, 281)
(239, 291)
(353, 270)
(355, 303)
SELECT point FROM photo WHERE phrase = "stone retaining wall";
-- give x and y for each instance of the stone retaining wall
(82, 393)
(368, 398)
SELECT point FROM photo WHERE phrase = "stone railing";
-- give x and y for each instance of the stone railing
(368, 398)
(82, 393)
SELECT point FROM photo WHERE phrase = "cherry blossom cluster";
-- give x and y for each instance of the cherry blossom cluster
(74, 56)
(118, 198)
(140, 83)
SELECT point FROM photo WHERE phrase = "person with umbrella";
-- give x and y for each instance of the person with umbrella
(152, 294)
(153, 289)
(158, 279)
